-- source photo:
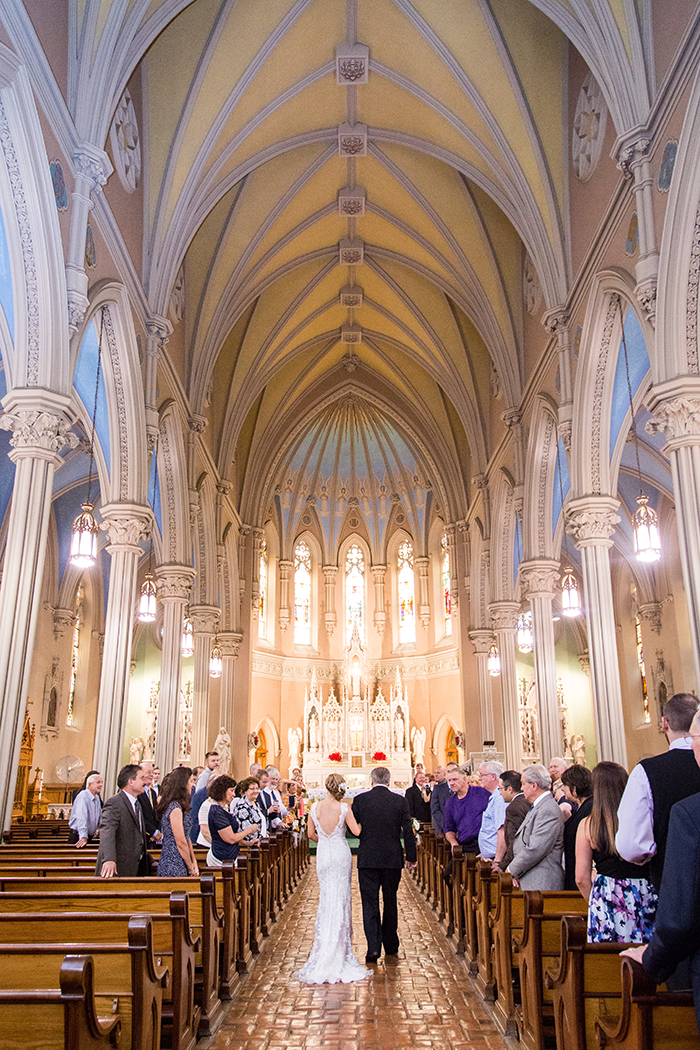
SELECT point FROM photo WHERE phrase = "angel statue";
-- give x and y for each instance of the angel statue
(418, 743)
(135, 750)
(294, 741)
(222, 745)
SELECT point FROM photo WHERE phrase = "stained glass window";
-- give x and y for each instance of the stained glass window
(354, 591)
(302, 594)
(262, 601)
(74, 655)
(446, 588)
(407, 614)
(642, 667)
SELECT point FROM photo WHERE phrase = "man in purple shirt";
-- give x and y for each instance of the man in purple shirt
(463, 811)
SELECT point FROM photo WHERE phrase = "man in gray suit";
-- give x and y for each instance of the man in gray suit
(123, 838)
(539, 841)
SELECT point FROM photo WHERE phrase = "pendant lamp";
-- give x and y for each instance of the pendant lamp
(83, 544)
(494, 662)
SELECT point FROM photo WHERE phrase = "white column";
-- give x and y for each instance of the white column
(158, 329)
(378, 574)
(92, 169)
(127, 524)
(285, 568)
(230, 645)
(174, 583)
(40, 431)
(421, 565)
(204, 620)
(482, 642)
(634, 161)
(540, 576)
(556, 322)
(329, 574)
(591, 521)
(504, 616)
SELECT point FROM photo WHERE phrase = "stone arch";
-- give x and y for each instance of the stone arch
(441, 733)
(539, 480)
(271, 735)
(172, 473)
(502, 574)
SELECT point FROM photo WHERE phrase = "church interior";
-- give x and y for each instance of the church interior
(350, 383)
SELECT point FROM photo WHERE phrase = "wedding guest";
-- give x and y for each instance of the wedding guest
(224, 829)
(198, 799)
(275, 804)
(622, 900)
(246, 809)
(147, 800)
(495, 812)
(418, 798)
(254, 769)
(202, 818)
(86, 812)
(654, 786)
(76, 791)
(555, 769)
(577, 785)
(439, 796)
(463, 811)
(211, 762)
(177, 856)
(123, 844)
(539, 841)
(517, 808)
(156, 780)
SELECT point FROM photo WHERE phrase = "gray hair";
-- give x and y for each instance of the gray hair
(380, 775)
(494, 767)
(537, 774)
(272, 771)
(696, 722)
(93, 776)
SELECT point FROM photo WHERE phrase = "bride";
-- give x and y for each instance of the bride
(332, 957)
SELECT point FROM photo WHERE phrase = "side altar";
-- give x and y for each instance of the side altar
(357, 722)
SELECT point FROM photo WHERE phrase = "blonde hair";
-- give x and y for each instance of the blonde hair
(336, 786)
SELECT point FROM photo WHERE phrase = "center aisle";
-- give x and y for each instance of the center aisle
(424, 1000)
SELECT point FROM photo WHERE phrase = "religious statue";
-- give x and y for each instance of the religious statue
(578, 748)
(418, 741)
(294, 741)
(135, 750)
(222, 745)
(399, 731)
(313, 731)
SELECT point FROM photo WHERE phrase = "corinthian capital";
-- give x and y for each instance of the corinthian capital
(174, 582)
(204, 618)
(481, 640)
(677, 418)
(230, 643)
(92, 164)
(35, 432)
(591, 521)
(632, 151)
(555, 320)
(127, 524)
(504, 615)
(540, 577)
(159, 328)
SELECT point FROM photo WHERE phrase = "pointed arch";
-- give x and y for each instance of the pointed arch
(539, 480)
(172, 475)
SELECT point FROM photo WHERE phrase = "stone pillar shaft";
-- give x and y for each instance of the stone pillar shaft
(329, 574)
(204, 620)
(285, 568)
(92, 169)
(540, 576)
(230, 644)
(378, 574)
(174, 583)
(127, 523)
(482, 642)
(591, 521)
(505, 620)
(421, 565)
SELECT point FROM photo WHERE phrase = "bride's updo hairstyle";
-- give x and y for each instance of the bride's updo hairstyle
(336, 786)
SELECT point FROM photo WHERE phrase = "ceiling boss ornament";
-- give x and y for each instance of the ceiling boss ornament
(351, 64)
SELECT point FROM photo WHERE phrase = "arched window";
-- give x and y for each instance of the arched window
(642, 667)
(262, 601)
(446, 588)
(74, 659)
(407, 613)
(302, 594)
(354, 591)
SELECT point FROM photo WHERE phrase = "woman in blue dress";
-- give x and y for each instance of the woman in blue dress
(177, 856)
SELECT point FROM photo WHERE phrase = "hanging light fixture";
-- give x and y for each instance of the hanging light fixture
(494, 662)
(83, 544)
(215, 662)
(570, 594)
(524, 633)
(645, 524)
(147, 602)
(187, 637)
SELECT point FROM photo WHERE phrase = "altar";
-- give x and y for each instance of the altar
(357, 728)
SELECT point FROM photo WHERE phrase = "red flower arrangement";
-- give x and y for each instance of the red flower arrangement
(335, 756)
(379, 756)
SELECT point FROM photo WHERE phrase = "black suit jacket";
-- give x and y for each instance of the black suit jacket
(675, 945)
(383, 816)
(150, 819)
(121, 838)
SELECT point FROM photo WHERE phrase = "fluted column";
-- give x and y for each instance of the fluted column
(591, 521)
(285, 568)
(676, 414)
(230, 645)
(40, 430)
(421, 565)
(204, 620)
(482, 642)
(174, 583)
(539, 577)
(378, 574)
(504, 616)
(92, 169)
(127, 524)
(329, 574)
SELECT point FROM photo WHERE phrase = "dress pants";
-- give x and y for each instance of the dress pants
(381, 928)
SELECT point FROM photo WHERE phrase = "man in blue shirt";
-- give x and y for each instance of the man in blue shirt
(495, 813)
(86, 812)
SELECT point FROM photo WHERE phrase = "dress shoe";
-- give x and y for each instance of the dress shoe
(371, 958)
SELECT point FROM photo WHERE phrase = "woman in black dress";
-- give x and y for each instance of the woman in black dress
(577, 785)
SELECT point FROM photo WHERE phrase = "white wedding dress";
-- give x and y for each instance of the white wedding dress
(332, 959)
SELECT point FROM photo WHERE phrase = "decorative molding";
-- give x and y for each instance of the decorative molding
(352, 140)
(678, 418)
(169, 488)
(350, 333)
(197, 424)
(294, 669)
(601, 372)
(691, 309)
(651, 615)
(352, 296)
(542, 517)
(36, 432)
(628, 156)
(204, 618)
(351, 252)
(592, 521)
(120, 398)
(174, 582)
(230, 643)
(351, 64)
(540, 578)
(351, 202)
(645, 292)
(482, 641)
(126, 524)
(504, 616)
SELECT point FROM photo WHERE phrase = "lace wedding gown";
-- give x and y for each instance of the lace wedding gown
(332, 957)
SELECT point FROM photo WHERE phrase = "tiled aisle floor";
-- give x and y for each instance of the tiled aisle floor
(423, 1000)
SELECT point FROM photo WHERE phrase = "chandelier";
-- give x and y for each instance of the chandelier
(570, 594)
(147, 601)
(523, 634)
(187, 637)
(215, 662)
(493, 662)
(83, 544)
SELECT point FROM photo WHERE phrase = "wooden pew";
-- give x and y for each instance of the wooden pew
(126, 979)
(649, 1019)
(506, 922)
(540, 947)
(172, 942)
(63, 1019)
(471, 944)
(456, 899)
(482, 903)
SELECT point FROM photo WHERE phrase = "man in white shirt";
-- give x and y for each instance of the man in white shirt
(495, 813)
(86, 812)
(272, 790)
(211, 762)
(654, 786)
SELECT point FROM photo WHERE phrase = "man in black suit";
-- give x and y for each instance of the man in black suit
(383, 816)
(123, 842)
(148, 800)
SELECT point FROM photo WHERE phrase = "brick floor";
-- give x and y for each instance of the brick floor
(425, 999)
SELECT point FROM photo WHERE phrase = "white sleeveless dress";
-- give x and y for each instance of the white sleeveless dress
(332, 959)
